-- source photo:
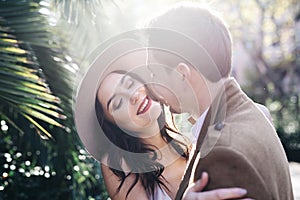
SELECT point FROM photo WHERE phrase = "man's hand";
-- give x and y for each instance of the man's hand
(194, 191)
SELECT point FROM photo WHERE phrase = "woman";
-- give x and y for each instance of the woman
(150, 162)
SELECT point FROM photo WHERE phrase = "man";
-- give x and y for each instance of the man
(190, 63)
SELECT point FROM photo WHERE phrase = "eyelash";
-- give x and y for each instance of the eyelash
(115, 107)
(131, 82)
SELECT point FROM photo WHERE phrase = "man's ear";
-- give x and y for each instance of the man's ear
(183, 69)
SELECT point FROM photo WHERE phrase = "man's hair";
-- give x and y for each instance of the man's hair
(202, 26)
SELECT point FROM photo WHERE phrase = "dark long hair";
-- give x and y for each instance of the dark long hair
(144, 167)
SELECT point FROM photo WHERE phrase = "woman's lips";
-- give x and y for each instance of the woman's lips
(145, 105)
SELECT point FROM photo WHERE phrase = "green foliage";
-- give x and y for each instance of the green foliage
(36, 79)
(283, 101)
(274, 79)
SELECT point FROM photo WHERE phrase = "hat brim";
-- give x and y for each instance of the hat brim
(86, 122)
(88, 128)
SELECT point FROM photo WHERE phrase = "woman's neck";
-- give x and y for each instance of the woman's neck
(166, 154)
(155, 140)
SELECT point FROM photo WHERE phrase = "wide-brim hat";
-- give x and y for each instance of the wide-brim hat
(113, 58)
(108, 59)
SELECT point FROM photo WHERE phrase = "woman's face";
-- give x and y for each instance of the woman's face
(126, 103)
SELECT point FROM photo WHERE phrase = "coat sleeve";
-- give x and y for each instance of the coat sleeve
(229, 168)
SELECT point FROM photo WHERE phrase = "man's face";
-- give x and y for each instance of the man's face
(167, 84)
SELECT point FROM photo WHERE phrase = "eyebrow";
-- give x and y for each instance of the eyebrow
(113, 96)
(123, 78)
(109, 101)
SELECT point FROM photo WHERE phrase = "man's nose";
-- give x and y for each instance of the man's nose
(134, 97)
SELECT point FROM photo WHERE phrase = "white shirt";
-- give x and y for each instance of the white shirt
(160, 194)
(196, 128)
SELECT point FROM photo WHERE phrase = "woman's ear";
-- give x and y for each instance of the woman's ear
(184, 70)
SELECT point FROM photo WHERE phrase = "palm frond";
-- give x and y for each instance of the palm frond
(71, 11)
(36, 87)
(23, 86)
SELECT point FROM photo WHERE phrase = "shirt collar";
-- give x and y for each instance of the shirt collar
(196, 128)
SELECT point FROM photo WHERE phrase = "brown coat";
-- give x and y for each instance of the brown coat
(240, 148)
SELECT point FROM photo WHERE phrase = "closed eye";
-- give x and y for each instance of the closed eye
(117, 104)
(129, 83)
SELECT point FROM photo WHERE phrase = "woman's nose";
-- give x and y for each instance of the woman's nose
(135, 97)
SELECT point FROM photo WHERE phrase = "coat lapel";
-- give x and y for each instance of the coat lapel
(214, 119)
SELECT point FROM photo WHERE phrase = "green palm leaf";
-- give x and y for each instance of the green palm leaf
(22, 84)
(36, 86)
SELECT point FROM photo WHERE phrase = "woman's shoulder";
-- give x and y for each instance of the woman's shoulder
(106, 165)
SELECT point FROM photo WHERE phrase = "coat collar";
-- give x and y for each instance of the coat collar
(214, 123)
(222, 106)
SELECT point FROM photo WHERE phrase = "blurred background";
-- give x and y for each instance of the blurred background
(46, 45)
